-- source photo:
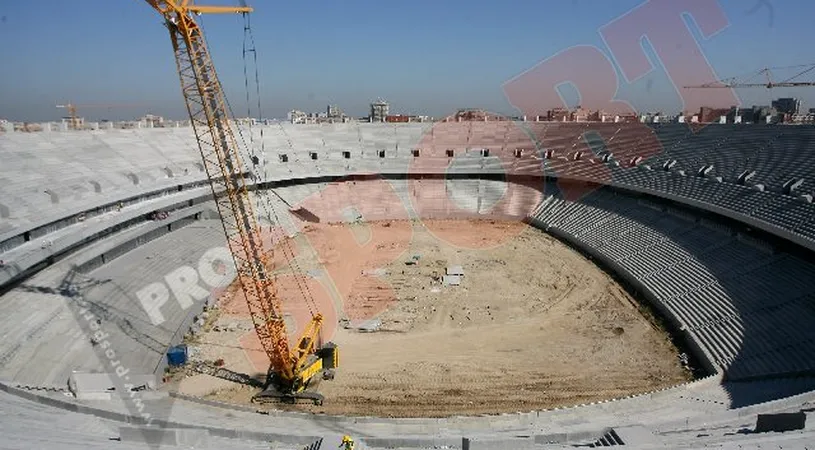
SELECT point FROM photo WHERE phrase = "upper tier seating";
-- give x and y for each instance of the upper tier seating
(47, 176)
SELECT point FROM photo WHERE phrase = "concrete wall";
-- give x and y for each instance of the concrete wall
(23, 261)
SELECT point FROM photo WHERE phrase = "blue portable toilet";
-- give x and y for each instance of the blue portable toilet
(177, 356)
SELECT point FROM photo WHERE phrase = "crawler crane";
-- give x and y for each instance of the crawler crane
(293, 372)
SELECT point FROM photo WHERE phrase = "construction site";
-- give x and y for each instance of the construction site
(478, 282)
(431, 329)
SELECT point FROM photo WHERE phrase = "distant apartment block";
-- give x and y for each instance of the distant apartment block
(787, 105)
(151, 121)
(334, 112)
(380, 109)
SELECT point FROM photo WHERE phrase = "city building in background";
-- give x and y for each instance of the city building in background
(334, 112)
(781, 111)
(296, 116)
(152, 121)
(379, 111)
(787, 105)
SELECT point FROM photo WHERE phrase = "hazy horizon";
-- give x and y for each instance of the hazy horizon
(422, 57)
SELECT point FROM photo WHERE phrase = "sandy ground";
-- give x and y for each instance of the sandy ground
(533, 324)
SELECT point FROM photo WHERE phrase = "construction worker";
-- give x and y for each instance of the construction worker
(347, 443)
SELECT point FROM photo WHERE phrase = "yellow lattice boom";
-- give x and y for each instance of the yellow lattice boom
(207, 109)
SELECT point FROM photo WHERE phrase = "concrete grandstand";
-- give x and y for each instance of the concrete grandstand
(714, 227)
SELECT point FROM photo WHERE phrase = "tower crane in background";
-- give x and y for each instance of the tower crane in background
(72, 117)
(292, 370)
(765, 73)
(75, 122)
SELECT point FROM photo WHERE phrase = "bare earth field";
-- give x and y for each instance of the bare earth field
(533, 324)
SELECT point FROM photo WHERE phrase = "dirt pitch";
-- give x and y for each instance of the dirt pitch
(533, 324)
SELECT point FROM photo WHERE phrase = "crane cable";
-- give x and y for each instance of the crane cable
(269, 209)
(799, 74)
(247, 34)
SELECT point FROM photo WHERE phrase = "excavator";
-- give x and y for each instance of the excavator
(294, 373)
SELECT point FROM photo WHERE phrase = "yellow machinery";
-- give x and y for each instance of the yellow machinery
(292, 371)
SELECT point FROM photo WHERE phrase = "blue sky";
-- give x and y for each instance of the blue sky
(422, 56)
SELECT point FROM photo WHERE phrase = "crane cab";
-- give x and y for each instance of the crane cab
(317, 366)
